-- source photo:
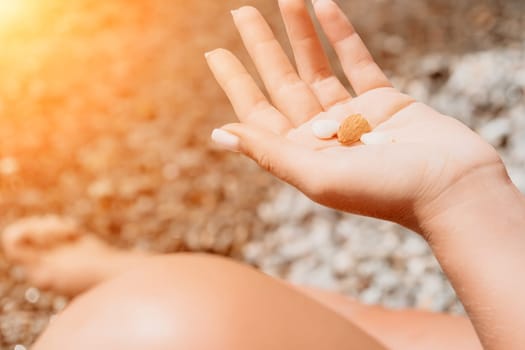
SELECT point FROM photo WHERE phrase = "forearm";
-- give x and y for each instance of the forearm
(479, 239)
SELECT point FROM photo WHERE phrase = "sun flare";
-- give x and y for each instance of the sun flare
(10, 10)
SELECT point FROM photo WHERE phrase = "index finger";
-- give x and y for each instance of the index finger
(250, 104)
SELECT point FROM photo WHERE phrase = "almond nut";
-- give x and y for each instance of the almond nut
(352, 128)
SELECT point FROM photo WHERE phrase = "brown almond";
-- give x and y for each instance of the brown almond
(352, 128)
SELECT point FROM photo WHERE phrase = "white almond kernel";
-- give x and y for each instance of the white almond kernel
(325, 128)
(376, 138)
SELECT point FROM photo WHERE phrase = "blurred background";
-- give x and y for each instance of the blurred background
(106, 109)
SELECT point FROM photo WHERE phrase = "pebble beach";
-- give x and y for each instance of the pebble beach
(106, 110)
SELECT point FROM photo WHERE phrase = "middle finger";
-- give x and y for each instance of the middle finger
(312, 63)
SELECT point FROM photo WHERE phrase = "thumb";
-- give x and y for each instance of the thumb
(288, 161)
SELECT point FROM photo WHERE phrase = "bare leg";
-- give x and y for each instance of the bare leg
(199, 302)
(58, 256)
(403, 329)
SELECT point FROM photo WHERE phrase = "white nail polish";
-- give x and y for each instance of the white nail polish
(226, 140)
(377, 138)
(315, 2)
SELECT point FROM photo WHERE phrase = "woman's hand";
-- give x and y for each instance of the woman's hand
(413, 157)
(436, 177)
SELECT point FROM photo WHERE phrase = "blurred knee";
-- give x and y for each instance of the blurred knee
(181, 301)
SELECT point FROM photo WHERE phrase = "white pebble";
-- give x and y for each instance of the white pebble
(32, 295)
(342, 263)
(325, 128)
(8, 166)
(496, 130)
(371, 296)
(376, 138)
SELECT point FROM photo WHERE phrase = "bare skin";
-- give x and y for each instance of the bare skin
(438, 178)
(279, 136)
(58, 256)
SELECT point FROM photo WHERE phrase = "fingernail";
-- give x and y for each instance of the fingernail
(376, 138)
(234, 12)
(213, 52)
(226, 140)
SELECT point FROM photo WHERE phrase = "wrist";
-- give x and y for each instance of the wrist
(484, 200)
(476, 229)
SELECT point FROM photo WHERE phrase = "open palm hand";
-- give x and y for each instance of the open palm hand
(414, 155)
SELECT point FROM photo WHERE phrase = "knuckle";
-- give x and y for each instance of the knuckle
(363, 62)
(265, 162)
(322, 75)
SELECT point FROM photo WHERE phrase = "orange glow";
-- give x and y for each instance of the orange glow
(10, 10)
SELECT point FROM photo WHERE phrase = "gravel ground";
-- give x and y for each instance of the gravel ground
(105, 112)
